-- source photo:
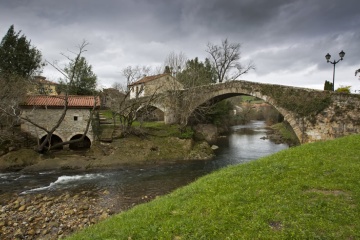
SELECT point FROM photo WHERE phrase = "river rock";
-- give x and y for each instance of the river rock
(207, 132)
(214, 147)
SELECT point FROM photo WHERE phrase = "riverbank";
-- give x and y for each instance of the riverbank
(108, 195)
(129, 151)
(49, 216)
(306, 192)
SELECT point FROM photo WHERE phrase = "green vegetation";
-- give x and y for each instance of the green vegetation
(286, 132)
(303, 103)
(308, 192)
(83, 79)
(251, 99)
(344, 89)
(328, 86)
(18, 57)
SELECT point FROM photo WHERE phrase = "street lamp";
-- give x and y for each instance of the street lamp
(328, 56)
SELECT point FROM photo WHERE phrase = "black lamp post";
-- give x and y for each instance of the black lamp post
(328, 56)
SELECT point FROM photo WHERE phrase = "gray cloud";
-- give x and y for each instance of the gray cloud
(286, 39)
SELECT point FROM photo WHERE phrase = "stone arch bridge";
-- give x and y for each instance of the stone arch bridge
(314, 115)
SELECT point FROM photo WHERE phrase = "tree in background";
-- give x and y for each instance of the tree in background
(197, 73)
(175, 63)
(18, 57)
(134, 73)
(343, 89)
(19, 62)
(225, 60)
(328, 85)
(357, 71)
(83, 80)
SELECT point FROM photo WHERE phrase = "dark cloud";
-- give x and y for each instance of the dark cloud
(287, 39)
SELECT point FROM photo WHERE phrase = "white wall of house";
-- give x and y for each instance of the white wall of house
(137, 90)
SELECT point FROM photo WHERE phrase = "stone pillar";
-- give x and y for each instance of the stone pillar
(170, 117)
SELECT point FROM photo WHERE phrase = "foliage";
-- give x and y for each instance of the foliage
(83, 79)
(304, 103)
(220, 113)
(328, 86)
(306, 192)
(343, 89)
(197, 73)
(18, 57)
(287, 133)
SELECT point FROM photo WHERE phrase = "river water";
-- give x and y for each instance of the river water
(134, 184)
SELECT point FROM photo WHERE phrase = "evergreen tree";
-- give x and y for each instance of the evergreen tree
(197, 73)
(83, 79)
(18, 57)
(328, 86)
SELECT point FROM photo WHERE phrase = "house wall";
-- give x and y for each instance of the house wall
(48, 118)
(137, 91)
(159, 85)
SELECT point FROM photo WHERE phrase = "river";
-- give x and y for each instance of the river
(133, 185)
(51, 205)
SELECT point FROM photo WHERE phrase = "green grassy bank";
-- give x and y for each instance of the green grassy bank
(308, 192)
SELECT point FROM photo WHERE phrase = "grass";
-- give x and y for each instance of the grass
(286, 132)
(307, 192)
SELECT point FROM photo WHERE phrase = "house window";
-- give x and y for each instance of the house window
(75, 118)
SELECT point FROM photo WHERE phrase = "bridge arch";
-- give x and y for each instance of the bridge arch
(85, 144)
(55, 139)
(225, 93)
(153, 112)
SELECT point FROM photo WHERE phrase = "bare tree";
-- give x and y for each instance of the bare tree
(12, 90)
(175, 62)
(134, 73)
(225, 60)
(126, 109)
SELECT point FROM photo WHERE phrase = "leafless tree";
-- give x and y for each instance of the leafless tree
(12, 90)
(126, 109)
(134, 73)
(225, 60)
(176, 62)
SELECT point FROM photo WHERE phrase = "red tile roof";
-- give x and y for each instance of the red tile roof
(58, 101)
(149, 78)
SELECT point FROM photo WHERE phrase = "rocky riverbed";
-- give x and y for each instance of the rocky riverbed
(44, 216)
(49, 216)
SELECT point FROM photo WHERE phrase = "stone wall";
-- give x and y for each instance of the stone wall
(74, 122)
(314, 115)
(341, 118)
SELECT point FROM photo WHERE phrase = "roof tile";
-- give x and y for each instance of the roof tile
(149, 78)
(58, 101)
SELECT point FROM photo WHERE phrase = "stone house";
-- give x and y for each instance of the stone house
(42, 86)
(148, 85)
(109, 96)
(46, 110)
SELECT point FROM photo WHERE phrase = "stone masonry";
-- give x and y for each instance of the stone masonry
(339, 117)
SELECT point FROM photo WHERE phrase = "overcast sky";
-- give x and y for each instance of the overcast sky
(286, 39)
